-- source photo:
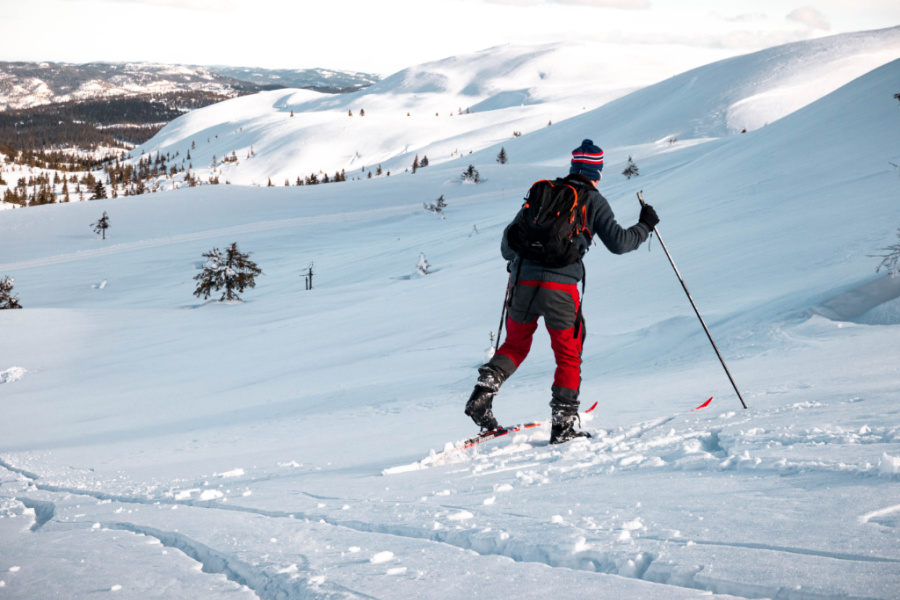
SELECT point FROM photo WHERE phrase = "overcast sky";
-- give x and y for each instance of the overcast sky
(384, 37)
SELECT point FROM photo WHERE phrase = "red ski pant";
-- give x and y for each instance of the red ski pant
(558, 304)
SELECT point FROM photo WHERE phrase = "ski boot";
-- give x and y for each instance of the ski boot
(479, 405)
(564, 407)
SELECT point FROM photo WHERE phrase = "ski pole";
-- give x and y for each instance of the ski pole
(702, 322)
(503, 313)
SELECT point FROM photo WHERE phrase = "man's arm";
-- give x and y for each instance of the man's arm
(616, 238)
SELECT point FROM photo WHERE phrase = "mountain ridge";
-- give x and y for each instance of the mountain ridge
(30, 84)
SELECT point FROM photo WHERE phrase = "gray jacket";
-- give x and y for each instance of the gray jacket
(600, 222)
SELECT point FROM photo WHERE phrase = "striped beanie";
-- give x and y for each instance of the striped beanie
(587, 159)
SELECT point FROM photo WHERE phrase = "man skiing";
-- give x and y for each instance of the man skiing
(546, 286)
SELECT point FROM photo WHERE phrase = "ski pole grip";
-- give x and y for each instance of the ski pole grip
(640, 196)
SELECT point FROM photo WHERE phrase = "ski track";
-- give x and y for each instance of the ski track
(211, 233)
(266, 586)
(616, 448)
(634, 564)
(43, 511)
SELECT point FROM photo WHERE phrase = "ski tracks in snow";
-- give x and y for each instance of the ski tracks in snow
(625, 543)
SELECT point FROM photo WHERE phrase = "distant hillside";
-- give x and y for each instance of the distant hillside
(28, 84)
(320, 80)
(459, 107)
(45, 105)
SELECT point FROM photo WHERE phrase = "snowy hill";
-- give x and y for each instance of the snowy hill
(512, 89)
(157, 446)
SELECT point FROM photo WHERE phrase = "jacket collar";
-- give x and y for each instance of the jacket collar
(579, 178)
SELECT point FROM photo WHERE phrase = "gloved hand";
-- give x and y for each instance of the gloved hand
(648, 217)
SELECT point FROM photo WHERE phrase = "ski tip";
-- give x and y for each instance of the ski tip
(704, 405)
(593, 406)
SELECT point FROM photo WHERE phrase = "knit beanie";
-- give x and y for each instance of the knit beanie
(587, 159)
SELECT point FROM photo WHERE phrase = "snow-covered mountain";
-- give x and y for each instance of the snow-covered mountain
(153, 445)
(25, 85)
(447, 109)
(323, 80)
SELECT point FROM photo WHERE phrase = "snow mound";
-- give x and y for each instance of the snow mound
(12, 374)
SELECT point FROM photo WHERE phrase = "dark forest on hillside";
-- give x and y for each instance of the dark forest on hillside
(116, 122)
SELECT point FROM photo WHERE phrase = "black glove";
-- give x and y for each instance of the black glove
(648, 217)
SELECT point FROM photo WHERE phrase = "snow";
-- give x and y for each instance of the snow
(294, 446)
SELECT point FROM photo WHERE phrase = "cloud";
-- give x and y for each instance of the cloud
(623, 4)
(810, 17)
(626, 4)
(746, 18)
(198, 5)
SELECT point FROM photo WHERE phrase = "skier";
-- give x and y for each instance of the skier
(538, 290)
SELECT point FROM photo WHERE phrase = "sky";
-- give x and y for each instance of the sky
(384, 37)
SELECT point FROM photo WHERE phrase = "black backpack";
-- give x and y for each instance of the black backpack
(554, 213)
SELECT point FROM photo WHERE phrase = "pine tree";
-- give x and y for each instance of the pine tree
(438, 207)
(424, 162)
(101, 225)
(471, 175)
(362, 112)
(378, 171)
(890, 260)
(232, 270)
(99, 191)
(631, 170)
(501, 158)
(415, 166)
(7, 300)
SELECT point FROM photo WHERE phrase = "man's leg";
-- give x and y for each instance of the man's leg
(559, 306)
(509, 356)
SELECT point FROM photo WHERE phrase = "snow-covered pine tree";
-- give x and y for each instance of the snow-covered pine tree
(423, 265)
(438, 207)
(7, 300)
(502, 158)
(232, 270)
(471, 175)
(101, 225)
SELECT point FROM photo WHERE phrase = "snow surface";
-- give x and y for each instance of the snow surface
(153, 445)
